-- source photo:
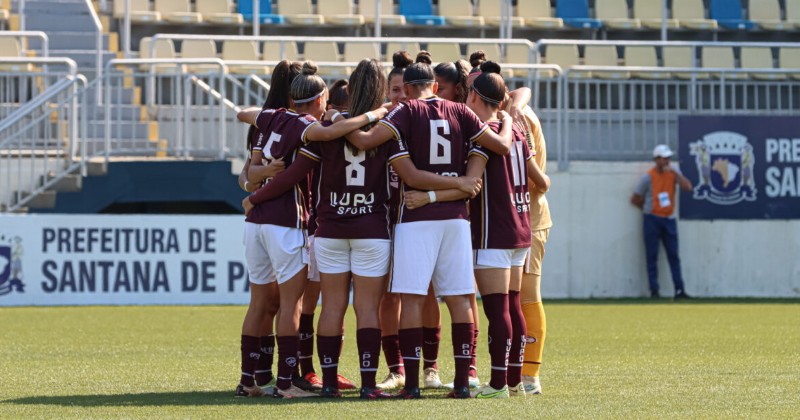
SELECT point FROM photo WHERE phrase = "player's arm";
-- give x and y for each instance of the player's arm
(340, 127)
(257, 172)
(499, 143)
(517, 100)
(425, 180)
(244, 182)
(366, 140)
(281, 183)
(415, 199)
(535, 174)
(249, 115)
(637, 200)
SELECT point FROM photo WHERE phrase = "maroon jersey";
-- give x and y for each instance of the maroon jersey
(436, 134)
(313, 183)
(394, 195)
(351, 199)
(281, 132)
(500, 213)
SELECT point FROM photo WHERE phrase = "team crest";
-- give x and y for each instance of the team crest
(11, 251)
(724, 162)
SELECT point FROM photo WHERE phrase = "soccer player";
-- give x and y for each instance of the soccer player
(432, 243)
(275, 233)
(258, 340)
(500, 232)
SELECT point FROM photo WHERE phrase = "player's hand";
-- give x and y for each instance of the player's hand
(275, 167)
(329, 114)
(505, 116)
(668, 168)
(380, 112)
(416, 199)
(470, 185)
(516, 112)
(247, 205)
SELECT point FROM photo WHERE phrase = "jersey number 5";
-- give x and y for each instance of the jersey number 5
(440, 146)
(354, 171)
(273, 138)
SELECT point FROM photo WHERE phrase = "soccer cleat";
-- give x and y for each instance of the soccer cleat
(309, 382)
(406, 394)
(473, 383)
(460, 392)
(432, 378)
(487, 391)
(373, 394)
(293, 392)
(249, 391)
(330, 392)
(681, 295)
(532, 384)
(345, 383)
(517, 391)
(393, 380)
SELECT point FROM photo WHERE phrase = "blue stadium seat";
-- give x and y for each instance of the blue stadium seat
(575, 13)
(728, 14)
(420, 12)
(264, 12)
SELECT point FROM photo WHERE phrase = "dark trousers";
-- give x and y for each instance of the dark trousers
(661, 229)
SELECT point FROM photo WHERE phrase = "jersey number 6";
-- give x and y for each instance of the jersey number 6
(440, 146)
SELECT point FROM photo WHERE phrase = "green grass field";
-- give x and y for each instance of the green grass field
(623, 359)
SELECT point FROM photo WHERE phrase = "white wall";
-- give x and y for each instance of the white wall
(596, 247)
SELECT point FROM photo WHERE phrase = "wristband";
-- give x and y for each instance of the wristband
(371, 116)
(335, 115)
(432, 196)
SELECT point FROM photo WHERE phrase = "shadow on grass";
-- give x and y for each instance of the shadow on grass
(156, 399)
(670, 301)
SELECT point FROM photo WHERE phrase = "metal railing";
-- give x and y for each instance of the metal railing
(42, 140)
(26, 35)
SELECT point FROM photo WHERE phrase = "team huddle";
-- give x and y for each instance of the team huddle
(420, 198)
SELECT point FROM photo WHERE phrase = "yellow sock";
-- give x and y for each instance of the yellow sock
(537, 330)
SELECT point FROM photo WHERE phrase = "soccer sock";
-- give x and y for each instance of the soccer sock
(287, 360)
(430, 346)
(264, 364)
(306, 343)
(250, 357)
(496, 308)
(411, 349)
(517, 338)
(463, 334)
(328, 348)
(391, 350)
(369, 348)
(537, 330)
(473, 361)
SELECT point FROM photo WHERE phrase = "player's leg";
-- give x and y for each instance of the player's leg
(431, 335)
(335, 295)
(267, 341)
(652, 234)
(493, 283)
(670, 239)
(307, 377)
(473, 363)
(533, 311)
(390, 342)
(518, 324)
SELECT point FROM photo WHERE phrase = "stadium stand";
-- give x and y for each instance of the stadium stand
(643, 56)
(177, 11)
(603, 55)
(793, 12)
(420, 12)
(393, 47)
(564, 56)
(444, 51)
(357, 51)
(11, 47)
(681, 57)
(244, 51)
(140, 11)
(759, 58)
(325, 51)
(388, 17)
(265, 15)
(195, 48)
(521, 54)
(299, 12)
(789, 58)
(538, 14)
(459, 13)
(339, 12)
(164, 48)
(575, 13)
(650, 13)
(721, 57)
(767, 15)
(272, 51)
(219, 12)
(490, 10)
(615, 14)
(691, 14)
(729, 14)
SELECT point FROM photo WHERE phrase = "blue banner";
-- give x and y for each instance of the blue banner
(740, 167)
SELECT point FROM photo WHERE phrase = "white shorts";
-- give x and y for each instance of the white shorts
(273, 252)
(439, 251)
(313, 272)
(362, 257)
(499, 258)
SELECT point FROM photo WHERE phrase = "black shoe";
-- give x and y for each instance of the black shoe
(373, 394)
(250, 391)
(459, 392)
(304, 384)
(408, 394)
(330, 392)
(682, 295)
(655, 295)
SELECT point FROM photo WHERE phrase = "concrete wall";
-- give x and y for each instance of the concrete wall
(596, 247)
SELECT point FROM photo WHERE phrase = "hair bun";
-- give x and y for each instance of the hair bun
(490, 67)
(477, 58)
(309, 68)
(402, 59)
(424, 57)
